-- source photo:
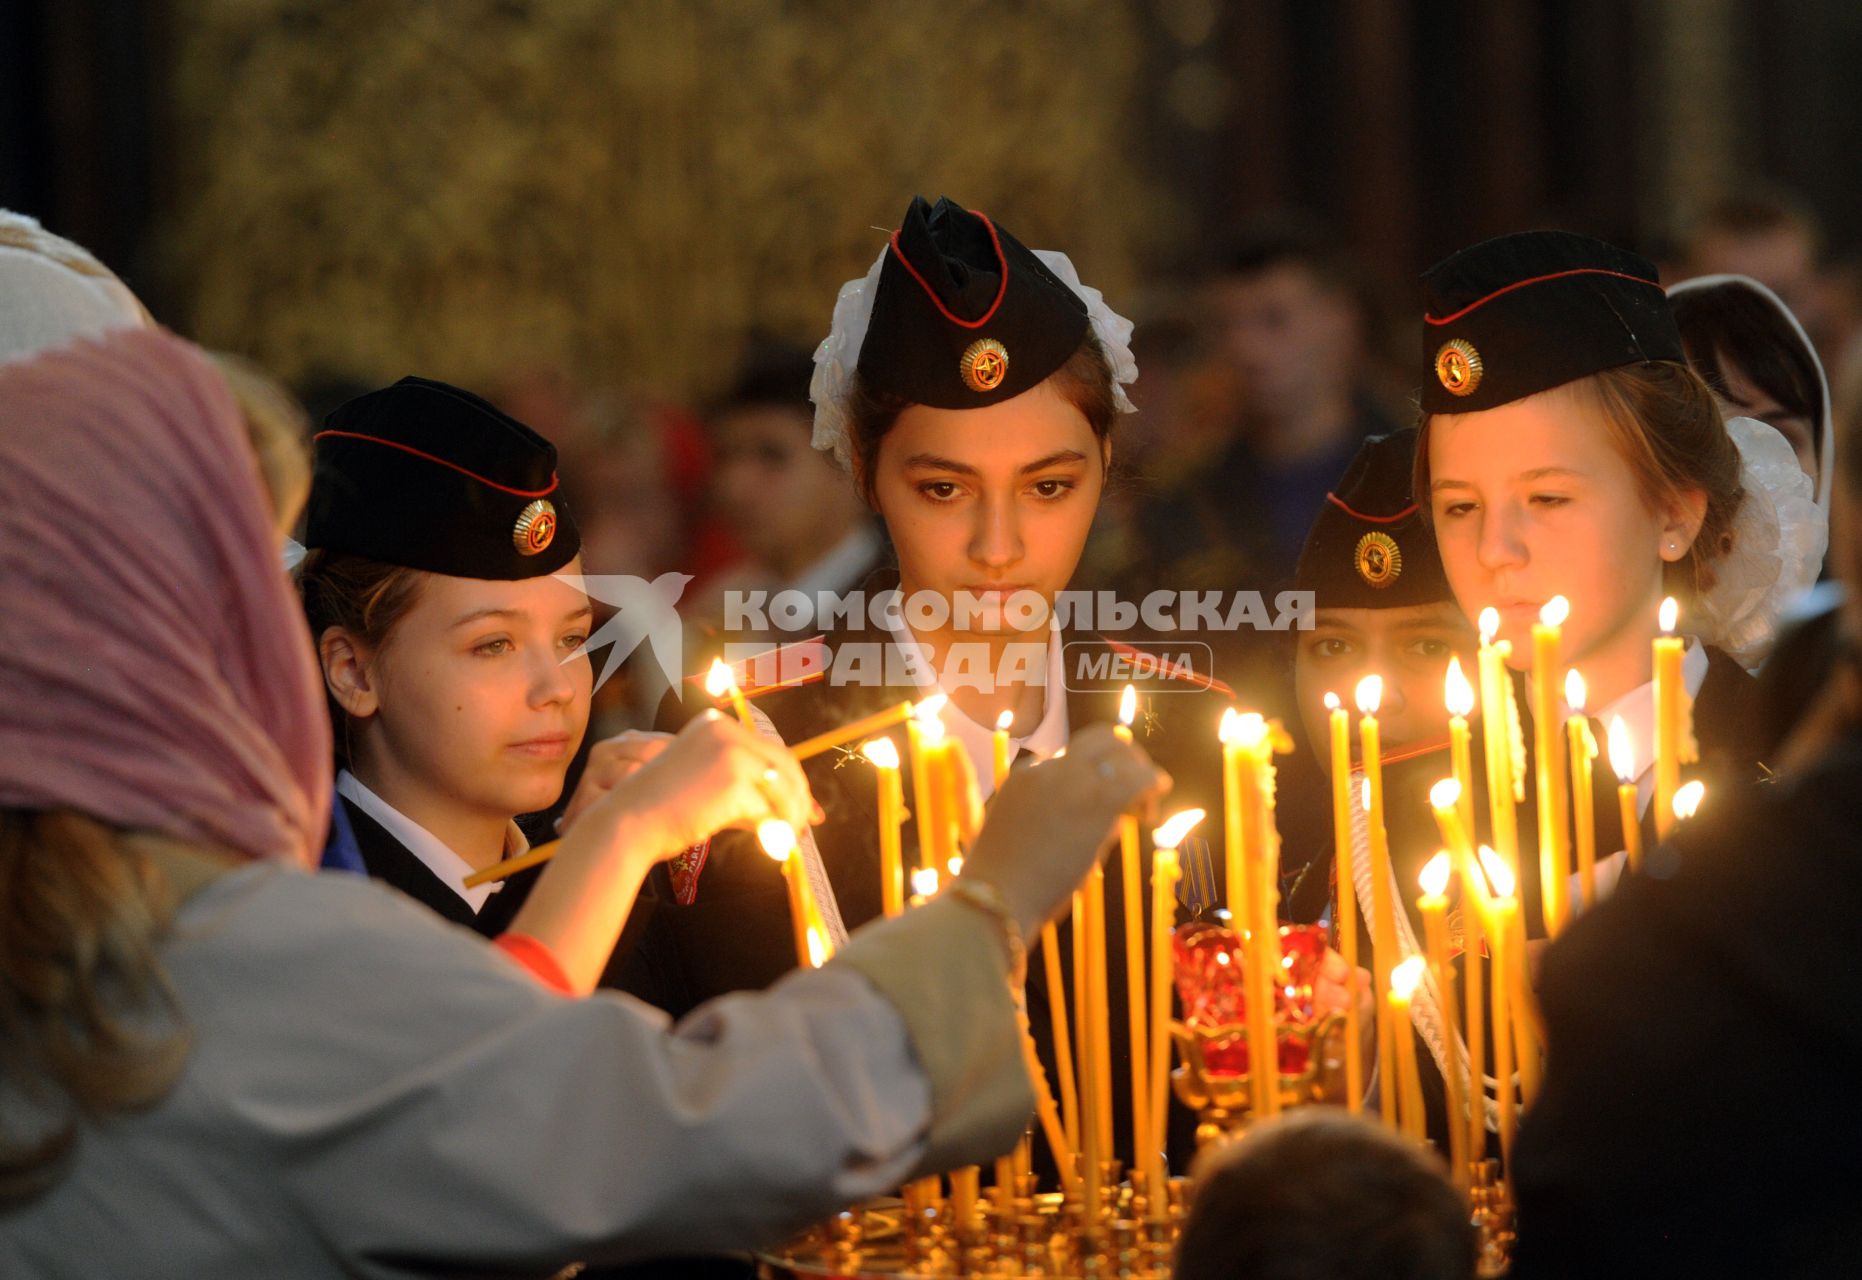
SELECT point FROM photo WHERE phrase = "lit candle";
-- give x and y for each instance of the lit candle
(884, 756)
(1502, 907)
(1687, 800)
(1165, 840)
(1000, 741)
(721, 682)
(864, 727)
(1447, 798)
(1497, 735)
(811, 936)
(1434, 908)
(1403, 980)
(1622, 761)
(1383, 913)
(924, 885)
(925, 725)
(1347, 894)
(1136, 1023)
(1549, 774)
(1669, 696)
(1057, 1018)
(1584, 821)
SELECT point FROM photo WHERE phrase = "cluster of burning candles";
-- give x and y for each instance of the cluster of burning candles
(1077, 1118)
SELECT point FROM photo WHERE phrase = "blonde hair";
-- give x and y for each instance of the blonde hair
(278, 428)
(83, 911)
(1667, 428)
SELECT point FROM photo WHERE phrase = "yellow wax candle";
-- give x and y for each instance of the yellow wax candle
(1000, 742)
(1004, 1195)
(1549, 771)
(721, 682)
(1669, 694)
(884, 757)
(778, 840)
(1433, 904)
(924, 728)
(1502, 907)
(1347, 921)
(1622, 762)
(1383, 912)
(1231, 820)
(1132, 865)
(1403, 980)
(1246, 746)
(1446, 799)
(1091, 1065)
(1082, 1025)
(1063, 1043)
(1163, 917)
(864, 727)
(1584, 822)
(1458, 696)
(1099, 1009)
(1497, 736)
(964, 1187)
(1066, 1158)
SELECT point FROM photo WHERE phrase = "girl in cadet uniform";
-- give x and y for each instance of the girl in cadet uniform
(1567, 449)
(218, 1061)
(971, 387)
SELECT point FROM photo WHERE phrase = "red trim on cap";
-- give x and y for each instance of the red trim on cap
(427, 457)
(1001, 291)
(1521, 284)
(1404, 514)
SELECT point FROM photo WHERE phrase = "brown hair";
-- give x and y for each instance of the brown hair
(1667, 427)
(366, 598)
(86, 911)
(278, 427)
(1730, 322)
(1084, 381)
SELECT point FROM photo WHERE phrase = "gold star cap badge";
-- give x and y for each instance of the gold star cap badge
(1378, 559)
(536, 528)
(1458, 367)
(984, 365)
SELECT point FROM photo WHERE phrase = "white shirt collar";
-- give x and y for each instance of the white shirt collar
(433, 853)
(1637, 709)
(1047, 737)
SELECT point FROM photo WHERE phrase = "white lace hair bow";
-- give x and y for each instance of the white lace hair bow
(1779, 537)
(853, 307)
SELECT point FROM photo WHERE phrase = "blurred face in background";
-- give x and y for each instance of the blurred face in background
(784, 500)
(1408, 646)
(1783, 258)
(1286, 333)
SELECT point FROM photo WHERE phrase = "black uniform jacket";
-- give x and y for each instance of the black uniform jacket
(389, 860)
(1700, 1112)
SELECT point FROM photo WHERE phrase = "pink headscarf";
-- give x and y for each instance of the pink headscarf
(155, 670)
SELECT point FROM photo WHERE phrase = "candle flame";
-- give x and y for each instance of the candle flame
(1445, 794)
(1128, 705)
(1004, 720)
(817, 949)
(1687, 799)
(1499, 875)
(1671, 614)
(1435, 875)
(720, 680)
(1405, 978)
(1331, 701)
(924, 882)
(1489, 624)
(1554, 611)
(777, 838)
(883, 752)
(1176, 827)
(1370, 695)
(1456, 691)
(1364, 795)
(1575, 691)
(955, 865)
(1620, 757)
(930, 708)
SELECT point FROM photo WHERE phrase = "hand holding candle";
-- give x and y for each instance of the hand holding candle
(721, 682)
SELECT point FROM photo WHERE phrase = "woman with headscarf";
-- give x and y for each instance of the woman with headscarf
(213, 1063)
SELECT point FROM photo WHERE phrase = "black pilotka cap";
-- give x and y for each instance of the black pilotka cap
(965, 314)
(1370, 548)
(431, 477)
(1529, 312)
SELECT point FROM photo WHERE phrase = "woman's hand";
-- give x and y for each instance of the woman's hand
(611, 761)
(1050, 824)
(676, 792)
